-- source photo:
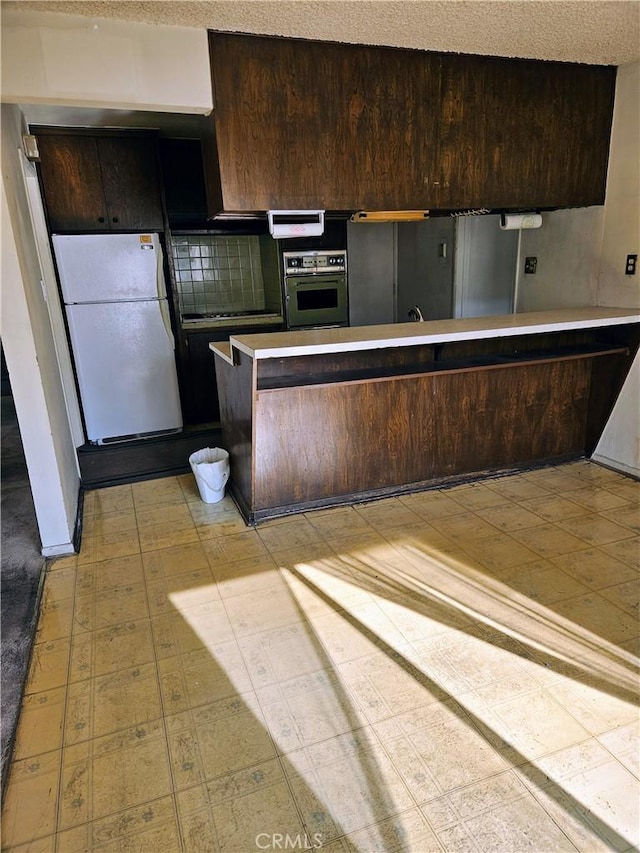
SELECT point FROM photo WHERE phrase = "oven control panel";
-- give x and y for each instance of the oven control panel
(314, 262)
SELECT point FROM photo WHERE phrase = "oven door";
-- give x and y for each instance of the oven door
(316, 300)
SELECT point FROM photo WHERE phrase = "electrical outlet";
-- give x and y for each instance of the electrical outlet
(530, 265)
(632, 263)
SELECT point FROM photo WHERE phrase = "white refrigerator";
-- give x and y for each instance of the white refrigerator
(118, 318)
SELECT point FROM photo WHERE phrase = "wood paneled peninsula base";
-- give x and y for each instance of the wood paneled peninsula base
(332, 416)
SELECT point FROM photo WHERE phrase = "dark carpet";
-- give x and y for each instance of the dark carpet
(21, 570)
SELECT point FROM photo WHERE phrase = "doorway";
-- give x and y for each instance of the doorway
(485, 262)
(425, 269)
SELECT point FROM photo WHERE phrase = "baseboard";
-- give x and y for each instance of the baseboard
(255, 517)
(132, 462)
(67, 549)
(614, 465)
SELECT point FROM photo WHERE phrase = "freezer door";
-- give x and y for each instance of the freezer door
(109, 267)
(126, 371)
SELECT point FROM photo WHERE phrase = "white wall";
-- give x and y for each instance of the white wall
(70, 61)
(94, 62)
(619, 446)
(622, 209)
(581, 259)
(568, 246)
(581, 253)
(31, 358)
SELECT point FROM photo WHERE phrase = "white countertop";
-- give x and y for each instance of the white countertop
(350, 339)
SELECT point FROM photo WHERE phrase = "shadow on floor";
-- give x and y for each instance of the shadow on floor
(21, 570)
(22, 564)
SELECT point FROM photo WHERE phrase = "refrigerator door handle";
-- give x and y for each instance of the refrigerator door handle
(162, 293)
(161, 286)
(164, 311)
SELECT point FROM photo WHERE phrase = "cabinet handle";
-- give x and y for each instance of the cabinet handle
(101, 219)
(115, 219)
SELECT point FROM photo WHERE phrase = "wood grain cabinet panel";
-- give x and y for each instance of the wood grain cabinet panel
(522, 133)
(303, 124)
(100, 182)
(406, 418)
(235, 389)
(131, 183)
(310, 124)
(72, 183)
(319, 442)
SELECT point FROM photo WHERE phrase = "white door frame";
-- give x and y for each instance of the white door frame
(52, 298)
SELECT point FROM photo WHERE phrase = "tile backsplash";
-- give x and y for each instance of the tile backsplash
(220, 273)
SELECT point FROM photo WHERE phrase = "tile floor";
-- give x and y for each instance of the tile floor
(453, 670)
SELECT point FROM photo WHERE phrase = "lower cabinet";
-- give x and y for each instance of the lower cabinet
(311, 431)
(199, 390)
(199, 378)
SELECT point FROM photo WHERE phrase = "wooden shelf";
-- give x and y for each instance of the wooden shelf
(434, 368)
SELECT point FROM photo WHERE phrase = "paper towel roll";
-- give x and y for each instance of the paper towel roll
(515, 221)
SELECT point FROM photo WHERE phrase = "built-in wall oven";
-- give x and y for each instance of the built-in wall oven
(315, 288)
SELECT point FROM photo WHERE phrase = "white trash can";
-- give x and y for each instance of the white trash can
(211, 469)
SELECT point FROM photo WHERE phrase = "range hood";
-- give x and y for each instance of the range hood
(295, 223)
(310, 223)
(389, 215)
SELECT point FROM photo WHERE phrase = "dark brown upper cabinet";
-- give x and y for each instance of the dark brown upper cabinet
(305, 125)
(100, 182)
(523, 134)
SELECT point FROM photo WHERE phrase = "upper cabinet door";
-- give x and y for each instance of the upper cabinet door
(72, 183)
(523, 134)
(309, 125)
(305, 125)
(131, 183)
(94, 182)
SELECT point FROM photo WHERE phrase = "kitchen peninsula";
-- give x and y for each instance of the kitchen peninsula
(331, 416)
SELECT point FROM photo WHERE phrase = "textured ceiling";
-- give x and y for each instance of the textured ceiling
(604, 32)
